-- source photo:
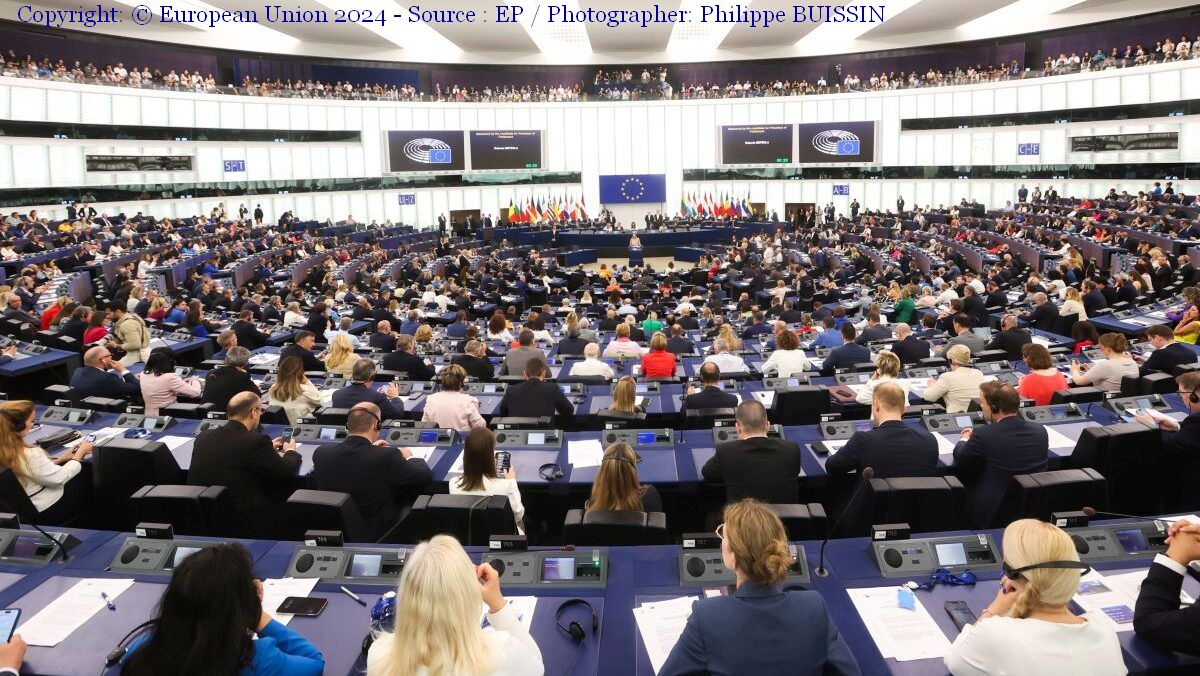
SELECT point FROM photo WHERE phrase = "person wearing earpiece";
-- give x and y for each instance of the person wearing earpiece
(211, 620)
(1157, 617)
(437, 620)
(617, 487)
(760, 628)
(1029, 628)
(54, 486)
(1180, 440)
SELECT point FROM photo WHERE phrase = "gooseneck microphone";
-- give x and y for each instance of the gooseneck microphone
(55, 541)
(1089, 512)
(865, 475)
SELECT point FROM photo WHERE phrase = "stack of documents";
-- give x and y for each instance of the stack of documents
(585, 453)
(1098, 595)
(523, 605)
(661, 623)
(898, 632)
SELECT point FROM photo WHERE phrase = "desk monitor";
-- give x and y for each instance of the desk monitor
(1117, 542)
(905, 558)
(555, 568)
(150, 555)
(365, 565)
(27, 547)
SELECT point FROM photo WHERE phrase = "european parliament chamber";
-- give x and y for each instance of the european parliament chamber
(690, 339)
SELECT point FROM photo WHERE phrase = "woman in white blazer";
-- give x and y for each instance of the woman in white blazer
(788, 358)
(480, 476)
(48, 482)
(887, 370)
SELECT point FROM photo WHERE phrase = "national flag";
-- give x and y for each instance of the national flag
(582, 208)
(531, 212)
(512, 211)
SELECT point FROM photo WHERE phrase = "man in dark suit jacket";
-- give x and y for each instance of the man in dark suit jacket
(1011, 338)
(1093, 299)
(248, 335)
(1157, 617)
(403, 359)
(223, 382)
(1044, 314)
(1168, 353)
(572, 344)
(303, 348)
(874, 331)
(259, 472)
(710, 395)
(1181, 440)
(677, 344)
(910, 349)
(369, 470)
(755, 466)
(388, 402)
(459, 328)
(383, 339)
(534, 397)
(474, 361)
(94, 379)
(988, 457)
(849, 354)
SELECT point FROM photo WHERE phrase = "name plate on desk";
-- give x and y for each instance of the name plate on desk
(529, 438)
(905, 558)
(149, 555)
(1052, 413)
(410, 436)
(486, 388)
(310, 433)
(706, 568)
(551, 569)
(148, 423)
(724, 430)
(1117, 542)
(952, 422)
(65, 414)
(660, 438)
(367, 565)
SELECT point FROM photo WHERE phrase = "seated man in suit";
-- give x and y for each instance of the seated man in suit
(710, 396)
(1157, 617)
(988, 457)
(892, 448)
(1180, 440)
(225, 381)
(388, 402)
(225, 340)
(964, 336)
(1044, 314)
(1168, 353)
(755, 465)
(474, 360)
(384, 339)
(248, 335)
(303, 348)
(1011, 338)
(677, 344)
(369, 470)
(403, 359)
(910, 349)
(875, 330)
(458, 329)
(849, 354)
(572, 344)
(534, 397)
(95, 379)
(14, 311)
(515, 360)
(259, 472)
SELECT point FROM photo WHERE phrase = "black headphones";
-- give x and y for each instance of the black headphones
(19, 425)
(573, 628)
(1015, 573)
(118, 653)
(367, 411)
(1193, 397)
(550, 471)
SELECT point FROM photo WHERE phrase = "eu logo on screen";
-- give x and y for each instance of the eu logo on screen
(439, 156)
(848, 147)
(235, 165)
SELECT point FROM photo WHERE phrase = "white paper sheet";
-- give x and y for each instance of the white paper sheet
(834, 445)
(945, 446)
(174, 442)
(523, 605)
(1130, 585)
(660, 624)
(765, 397)
(899, 633)
(422, 452)
(816, 362)
(1058, 439)
(276, 590)
(54, 623)
(1042, 340)
(585, 453)
(1096, 596)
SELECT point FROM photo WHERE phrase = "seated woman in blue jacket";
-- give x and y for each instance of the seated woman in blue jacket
(207, 622)
(760, 628)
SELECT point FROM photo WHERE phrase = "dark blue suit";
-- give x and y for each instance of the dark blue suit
(761, 630)
(457, 330)
(93, 382)
(348, 396)
(989, 460)
(844, 357)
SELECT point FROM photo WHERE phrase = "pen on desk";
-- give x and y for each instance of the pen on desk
(108, 601)
(354, 596)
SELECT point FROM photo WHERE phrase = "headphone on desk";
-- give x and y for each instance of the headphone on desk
(550, 471)
(573, 628)
(118, 653)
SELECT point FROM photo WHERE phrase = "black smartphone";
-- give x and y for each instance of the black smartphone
(960, 613)
(287, 434)
(503, 461)
(303, 606)
(8, 622)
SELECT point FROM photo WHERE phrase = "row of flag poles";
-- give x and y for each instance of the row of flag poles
(705, 205)
(531, 209)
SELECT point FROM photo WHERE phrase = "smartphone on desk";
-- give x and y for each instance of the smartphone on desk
(302, 606)
(960, 613)
(8, 622)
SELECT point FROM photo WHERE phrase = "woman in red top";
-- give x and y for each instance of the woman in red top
(1085, 335)
(52, 311)
(658, 363)
(96, 331)
(1043, 380)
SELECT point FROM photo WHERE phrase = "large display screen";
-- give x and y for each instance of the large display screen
(757, 144)
(506, 149)
(826, 142)
(425, 151)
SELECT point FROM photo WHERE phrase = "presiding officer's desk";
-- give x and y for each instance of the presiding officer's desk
(634, 575)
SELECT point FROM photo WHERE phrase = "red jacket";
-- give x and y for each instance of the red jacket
(658, 364)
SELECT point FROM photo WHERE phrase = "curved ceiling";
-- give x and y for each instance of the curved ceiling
(533, 40)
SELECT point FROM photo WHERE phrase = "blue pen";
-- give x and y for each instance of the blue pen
(108, 601)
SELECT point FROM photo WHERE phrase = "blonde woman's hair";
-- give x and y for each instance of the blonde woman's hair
(624, 395)
(731, 340)
(959, 354)
(1030, 541)
(340, 350)
(1072, 293)
(758, 541)
(616, 486)
(437, 616)
(424, 333)
(887, 363)
(13, 417)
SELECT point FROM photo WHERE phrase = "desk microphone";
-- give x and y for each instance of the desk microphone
(866, 475)
(1089, 512)
(61, 547)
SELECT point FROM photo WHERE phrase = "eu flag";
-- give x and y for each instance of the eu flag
(633, 188)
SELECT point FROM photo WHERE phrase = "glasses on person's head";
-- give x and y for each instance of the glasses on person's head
(720, 531)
